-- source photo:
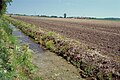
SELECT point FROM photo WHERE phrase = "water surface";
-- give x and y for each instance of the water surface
(24, 39)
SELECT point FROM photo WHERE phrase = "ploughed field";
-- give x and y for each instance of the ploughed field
(97, 34)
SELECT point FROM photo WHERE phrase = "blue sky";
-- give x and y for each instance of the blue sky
(92, 8)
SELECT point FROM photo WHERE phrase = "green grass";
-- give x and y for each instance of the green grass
(15, 60)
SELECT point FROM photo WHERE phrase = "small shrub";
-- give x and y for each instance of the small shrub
(50, 45)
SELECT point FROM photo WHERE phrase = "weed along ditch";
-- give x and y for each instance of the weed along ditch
(50, 66)
(90, 63)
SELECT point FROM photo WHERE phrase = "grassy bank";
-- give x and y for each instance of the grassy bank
(15, 60)
(90, 62)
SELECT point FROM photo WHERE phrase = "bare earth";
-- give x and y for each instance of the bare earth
(98, 34)
(52, 67)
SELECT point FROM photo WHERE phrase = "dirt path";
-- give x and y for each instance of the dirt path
(53, 67)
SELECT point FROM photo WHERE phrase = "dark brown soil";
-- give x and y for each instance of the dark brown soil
(98, 34)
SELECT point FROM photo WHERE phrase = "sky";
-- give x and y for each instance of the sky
(85, 8)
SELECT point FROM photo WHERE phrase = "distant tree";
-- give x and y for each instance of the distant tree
(60, 17)
(44, 16)
(3, 5)
(65, 15)
(53, 16)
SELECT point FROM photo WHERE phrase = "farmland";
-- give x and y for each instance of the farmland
(87, 57)
(53, 47)
(97, 34)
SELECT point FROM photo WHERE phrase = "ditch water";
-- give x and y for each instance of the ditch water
(24, 39)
